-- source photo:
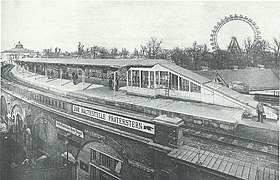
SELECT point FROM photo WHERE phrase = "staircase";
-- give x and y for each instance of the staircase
(166, 92)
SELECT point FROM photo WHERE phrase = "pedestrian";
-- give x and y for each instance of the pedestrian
(260, 111)
(117, 82)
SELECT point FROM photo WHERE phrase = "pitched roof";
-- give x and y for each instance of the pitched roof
(256, 78)
(187, 73)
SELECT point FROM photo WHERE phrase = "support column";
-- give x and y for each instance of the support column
(83, 77)
(114, 83)
(131, 78)
(21, 67)
(158, 78)
(155, 80)
(178, 83)
(149, 79)
(127, 72)
(189, 85)
(35, 71)
(140, 78)
(46, 73)
(60, 69)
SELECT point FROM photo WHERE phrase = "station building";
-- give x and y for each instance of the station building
(137, 132)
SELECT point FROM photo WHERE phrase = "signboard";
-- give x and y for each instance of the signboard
(70, 129)
(114, 119)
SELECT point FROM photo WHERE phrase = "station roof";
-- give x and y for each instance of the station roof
(113, 63)
(226, 165)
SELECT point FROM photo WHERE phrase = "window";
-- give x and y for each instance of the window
(184, 84)
(110, 163)
(129, 78)
(195, 88)
(135, 78)
(92, 154)
(174, 81)
(144, 79)
(152, 79)
(157, 78)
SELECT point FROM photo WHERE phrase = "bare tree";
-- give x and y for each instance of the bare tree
(197, 53)
(152, 49)
(124, 53)
(93, 51)
(276, 50)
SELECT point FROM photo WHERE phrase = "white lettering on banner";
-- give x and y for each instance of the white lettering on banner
(114, 119)
(70, 129)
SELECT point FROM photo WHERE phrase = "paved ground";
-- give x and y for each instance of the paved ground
(225, 114)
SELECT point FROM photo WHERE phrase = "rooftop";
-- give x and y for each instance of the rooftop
(256, 78)
(113, 63)
(18, 49)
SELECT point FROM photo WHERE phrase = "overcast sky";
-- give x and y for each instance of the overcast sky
(45, 24)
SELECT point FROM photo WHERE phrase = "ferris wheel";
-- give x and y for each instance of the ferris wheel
(249, 21)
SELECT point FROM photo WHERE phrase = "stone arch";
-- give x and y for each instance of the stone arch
(4, 109)
(16, 108)
(44, 136)
(17, 122)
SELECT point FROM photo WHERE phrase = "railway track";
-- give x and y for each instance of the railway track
(233, 140)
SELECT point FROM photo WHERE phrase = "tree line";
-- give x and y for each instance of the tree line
(194, 57)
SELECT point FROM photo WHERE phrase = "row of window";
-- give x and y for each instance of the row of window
(39, 98)
(160, 79)
(49, 101)
(106, 161)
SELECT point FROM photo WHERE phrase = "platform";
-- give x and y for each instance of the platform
(218, 113)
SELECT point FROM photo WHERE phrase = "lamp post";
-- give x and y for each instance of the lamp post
(67, 154)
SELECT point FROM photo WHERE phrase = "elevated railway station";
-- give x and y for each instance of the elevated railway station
(136, 119)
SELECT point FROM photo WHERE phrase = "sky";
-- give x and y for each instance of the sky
(42, 24)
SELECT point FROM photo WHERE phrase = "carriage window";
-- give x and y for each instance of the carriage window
(195, 88)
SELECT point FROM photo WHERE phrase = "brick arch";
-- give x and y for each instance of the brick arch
(17, 104)
(16, 109)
